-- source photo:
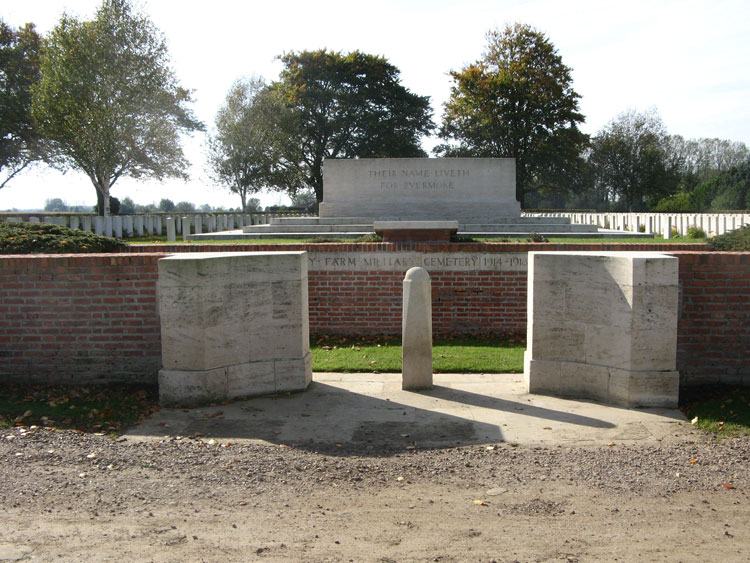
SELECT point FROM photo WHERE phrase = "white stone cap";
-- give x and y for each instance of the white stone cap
(604, 254)
(415, 225)
(210, 255)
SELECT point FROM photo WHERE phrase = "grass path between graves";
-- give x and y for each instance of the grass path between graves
(524, 238)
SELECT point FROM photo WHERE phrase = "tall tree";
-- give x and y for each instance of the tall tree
(349, 105)
(517, 101)
(631, 160)
(109, 101)
(20, 144)
(253, 140)
(700, 160)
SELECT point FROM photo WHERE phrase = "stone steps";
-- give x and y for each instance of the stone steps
(369, 220)
(519, 227)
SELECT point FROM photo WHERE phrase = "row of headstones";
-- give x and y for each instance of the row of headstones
(126, 226)
(659, 223)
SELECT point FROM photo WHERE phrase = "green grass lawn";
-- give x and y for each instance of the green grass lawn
(718, 409)
(383, 355)
(658, 240)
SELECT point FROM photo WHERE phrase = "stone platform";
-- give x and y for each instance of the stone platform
(371, 410)
(355, 227)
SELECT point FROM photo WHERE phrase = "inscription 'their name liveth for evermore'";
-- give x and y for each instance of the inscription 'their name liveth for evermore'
(418, 179)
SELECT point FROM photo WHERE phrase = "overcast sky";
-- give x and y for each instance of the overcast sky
(689, 59)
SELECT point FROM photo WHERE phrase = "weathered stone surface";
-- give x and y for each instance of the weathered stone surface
(233, 324)
(417, 331)
(603, 326)
(420, 188)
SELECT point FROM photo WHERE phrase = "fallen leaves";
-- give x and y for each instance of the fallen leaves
(480, 502)
(727, 485)
(92, 408)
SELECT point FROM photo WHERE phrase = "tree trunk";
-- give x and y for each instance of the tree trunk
(99, 203)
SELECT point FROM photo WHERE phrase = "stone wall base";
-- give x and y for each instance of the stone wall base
(604, 384)
(231, 382)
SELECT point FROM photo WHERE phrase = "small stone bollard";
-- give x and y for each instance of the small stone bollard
(416, 328)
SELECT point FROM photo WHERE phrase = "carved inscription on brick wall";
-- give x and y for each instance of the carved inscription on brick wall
(402, 261)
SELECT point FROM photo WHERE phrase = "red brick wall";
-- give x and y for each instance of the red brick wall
(94, 317)
(462, 303)
(79, 318)
(713, 336)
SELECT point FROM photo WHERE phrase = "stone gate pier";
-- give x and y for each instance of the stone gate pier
(233, 324)
(603, 326)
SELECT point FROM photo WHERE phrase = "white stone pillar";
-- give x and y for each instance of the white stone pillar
(198, 220)
(157, 225)
(668, 227)
(255, 341)
(148, 224)
(87, 223)
(171, 231)
(75, 222)
(416, 329)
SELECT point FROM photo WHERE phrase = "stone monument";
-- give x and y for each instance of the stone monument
(477, 194)
(462, 189)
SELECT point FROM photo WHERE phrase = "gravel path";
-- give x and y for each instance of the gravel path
(75, 497)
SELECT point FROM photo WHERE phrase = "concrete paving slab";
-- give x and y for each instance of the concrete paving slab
(372, 410)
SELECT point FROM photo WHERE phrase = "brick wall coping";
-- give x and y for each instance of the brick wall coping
(416, 246)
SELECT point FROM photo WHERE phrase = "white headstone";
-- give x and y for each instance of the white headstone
(185, 228)
(171, 231)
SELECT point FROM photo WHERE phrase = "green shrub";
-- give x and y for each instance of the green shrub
(536, 237)
(695, 232)
(322, 240)
(371, 237)
(674, 232)
(41, 238)
(737, 240)
(461, 238)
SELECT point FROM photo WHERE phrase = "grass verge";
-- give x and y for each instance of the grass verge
(383, 355)
(95, 408)
(721, 410)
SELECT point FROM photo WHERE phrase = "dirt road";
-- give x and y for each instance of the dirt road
(78, 497)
